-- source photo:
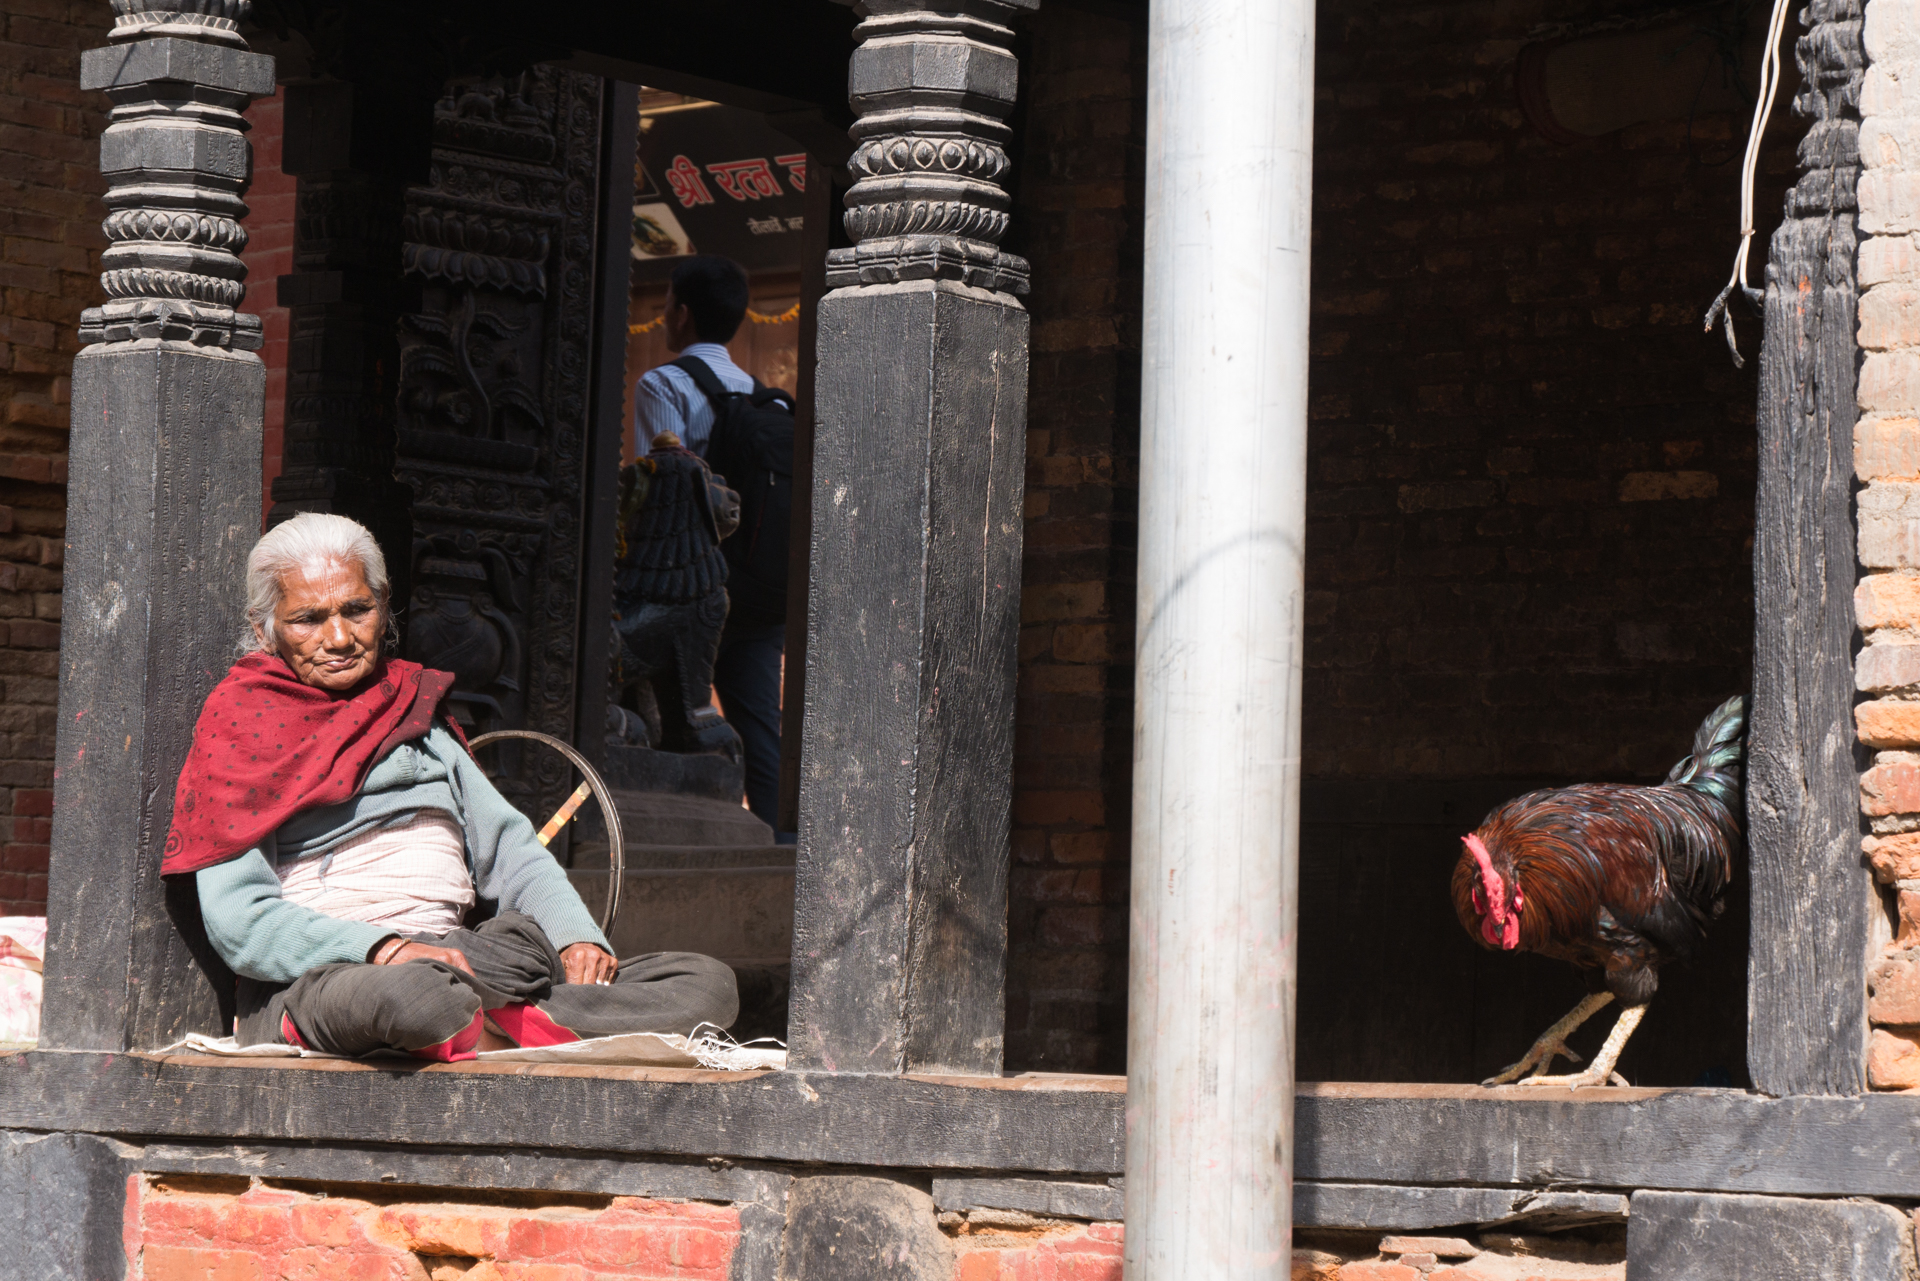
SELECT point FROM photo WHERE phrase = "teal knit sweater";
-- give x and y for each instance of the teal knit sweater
(263, 936)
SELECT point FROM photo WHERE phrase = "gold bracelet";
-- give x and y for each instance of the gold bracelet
(387, 950)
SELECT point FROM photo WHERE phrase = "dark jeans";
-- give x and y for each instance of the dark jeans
(746, 675)
(356, 1009)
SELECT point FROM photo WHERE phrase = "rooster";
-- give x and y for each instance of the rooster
(1614, 879)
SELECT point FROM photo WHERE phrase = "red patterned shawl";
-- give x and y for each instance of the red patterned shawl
(267, 747)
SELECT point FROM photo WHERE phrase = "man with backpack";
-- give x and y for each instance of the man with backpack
(745, 432)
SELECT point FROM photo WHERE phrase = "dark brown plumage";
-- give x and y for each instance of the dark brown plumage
(1613, 879)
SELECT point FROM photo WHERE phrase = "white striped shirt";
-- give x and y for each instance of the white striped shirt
(667, 399)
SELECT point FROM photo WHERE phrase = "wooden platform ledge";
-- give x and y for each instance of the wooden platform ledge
(1723, 1140)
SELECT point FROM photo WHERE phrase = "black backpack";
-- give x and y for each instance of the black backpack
(752, 446)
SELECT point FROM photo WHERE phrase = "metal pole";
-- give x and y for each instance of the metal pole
(1217, 737)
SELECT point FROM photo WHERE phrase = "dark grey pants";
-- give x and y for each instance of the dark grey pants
(356, 1009)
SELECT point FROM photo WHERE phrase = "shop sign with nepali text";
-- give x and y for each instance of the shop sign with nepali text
(717, 180)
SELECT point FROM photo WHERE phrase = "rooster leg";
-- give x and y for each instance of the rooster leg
(1553, 1041)
(1600, 1071)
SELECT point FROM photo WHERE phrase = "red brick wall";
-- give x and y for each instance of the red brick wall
(193, 1229)
(1531, 486)
(1077, 216)
(1046, 1251)
(50, 242)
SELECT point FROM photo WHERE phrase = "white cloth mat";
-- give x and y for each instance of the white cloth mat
(708, 1047)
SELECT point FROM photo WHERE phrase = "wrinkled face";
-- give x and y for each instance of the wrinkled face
(1499, 917)
(328, 626)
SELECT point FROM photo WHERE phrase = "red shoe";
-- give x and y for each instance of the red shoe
(528, 1026)
(456, 1048)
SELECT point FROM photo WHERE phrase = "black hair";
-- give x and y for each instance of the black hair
(714, 290)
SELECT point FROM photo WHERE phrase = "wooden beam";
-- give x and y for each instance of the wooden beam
(1385, 1207)
(843, 1119)
(620, 146)
(1705, 1140)
(1812, 895)
(813, 286)
(468, 1168)
(1684, 1236)
(1050, 1197)
(1722, 1140)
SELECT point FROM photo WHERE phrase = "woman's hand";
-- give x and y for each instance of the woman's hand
(423, 952)
(586, 963)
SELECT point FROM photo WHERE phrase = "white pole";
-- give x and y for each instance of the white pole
(1216, 780)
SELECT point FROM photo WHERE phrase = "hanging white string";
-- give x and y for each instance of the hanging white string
(1762, 109)
(710, 1044)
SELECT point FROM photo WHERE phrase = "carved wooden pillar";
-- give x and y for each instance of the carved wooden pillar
(164, 503)
(899, 955)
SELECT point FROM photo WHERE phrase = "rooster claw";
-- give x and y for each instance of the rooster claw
(1578, 1080)
(1537, 1059)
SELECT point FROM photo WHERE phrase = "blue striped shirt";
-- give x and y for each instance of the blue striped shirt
(666, 399)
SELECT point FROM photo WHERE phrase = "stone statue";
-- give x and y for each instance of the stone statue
(669, 602)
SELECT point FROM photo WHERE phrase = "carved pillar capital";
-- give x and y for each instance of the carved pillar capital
(933, 89)
(177, 164)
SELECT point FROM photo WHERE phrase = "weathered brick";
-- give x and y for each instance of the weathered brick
(1894, 858)
(1891, 785)
(1887, 600)
(1048, 808)
(1887, 448)
(1891, 34)
(1890, 382)
(1059, 601)
(1447, 495)
(1909, 930)
(1884, 722)
(1371, 1270)
(176, 1263)
(1889, 518)
(446, 1230)
(1314, 1265)
(1893, 988)
(1657, 486)
(330, 1222)
(1893, 1058)
(1889, 201)
(1439, 1247)
(1888, 260)
(1887, 666)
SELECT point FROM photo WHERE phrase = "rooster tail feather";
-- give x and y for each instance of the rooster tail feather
(1716, 766)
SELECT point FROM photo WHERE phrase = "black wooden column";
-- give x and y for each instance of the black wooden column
(355, 145)
(1812, 895)
(164, 503)
(899, 953)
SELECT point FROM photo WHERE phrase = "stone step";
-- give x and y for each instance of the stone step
(664, 818)
(741, 915)
(642, 769)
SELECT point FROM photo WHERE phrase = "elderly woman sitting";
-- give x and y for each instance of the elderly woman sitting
(338, 832)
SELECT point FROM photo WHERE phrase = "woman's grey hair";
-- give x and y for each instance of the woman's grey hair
(309, 540)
